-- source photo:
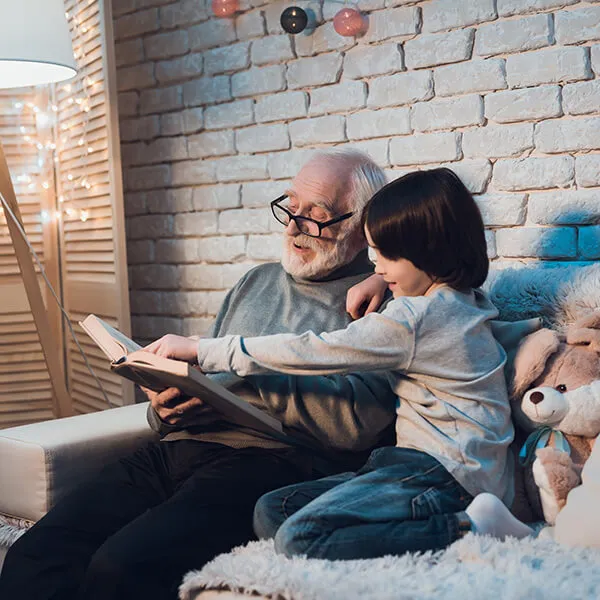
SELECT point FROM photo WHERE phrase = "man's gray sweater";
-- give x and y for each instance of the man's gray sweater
(335, 412)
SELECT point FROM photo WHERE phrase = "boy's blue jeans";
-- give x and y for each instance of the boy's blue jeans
(402, 500)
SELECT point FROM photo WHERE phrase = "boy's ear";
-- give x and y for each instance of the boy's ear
(531, 358)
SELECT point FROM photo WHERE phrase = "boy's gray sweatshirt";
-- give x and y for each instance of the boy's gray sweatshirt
(443, 362)
(339, 412)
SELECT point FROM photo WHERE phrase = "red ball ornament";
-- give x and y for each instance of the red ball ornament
(225, 8)
(349, 22)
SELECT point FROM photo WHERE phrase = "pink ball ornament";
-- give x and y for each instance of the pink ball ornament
(225, 8)
(349, 22)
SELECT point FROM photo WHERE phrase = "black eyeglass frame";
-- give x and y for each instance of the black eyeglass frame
(320, 224)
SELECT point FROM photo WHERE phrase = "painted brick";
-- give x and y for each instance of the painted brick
(564, 207)
(323, 39)
(447, 113)
(187, 303)
(160, 277)
(170, 200)
(244, 220)
(195, 224)
(130, 52)
(318, 130)
(577, 25)
(522, 105)
(123, 7)
(378, 123)
(128, 104)
(475, 174)
(365, 61)
(193, 119)
(188, 66)
(166, 45)
(517, 35)
(211, 197)
(149, 227)
(330, 9)
(193, 172)
(262, 138)
(222, 249)
(284, 165)
(214, 301)
(140, 252)
(425, 148)
(258, 80)
(213, 33)
(232, 114)
(207, 90)
(507, 8)
(595, 58)
(490, 241)
(135, 204)
(143, 128)
(542, 242)
(515, 174)
(587, 170)
(429, 50)
(589, 242)
(340, 97)
(197, 326)
(259, 193)
(133, 154)
(568, 135)
(250, 25)
(177, 251)
(183, 12)
(147, 329)
(201, 277)
(402, 88)
(171, 124)
(498, 141)
(136, 77)
(550, 65)
(147, 302)
(136, 24)
(394, 22)
(161, 100)
(498, 210)
(232, 273)
(276, 107)
(468, 77)
(439, 15)
(166, 150)
(378, 150)
(228, 58)
(271, 49)
(211, 143)
(147, 178)
(264, 247)
(582, 98)
(310, 72)
(242, 168)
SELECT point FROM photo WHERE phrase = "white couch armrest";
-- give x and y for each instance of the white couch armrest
(41, 462)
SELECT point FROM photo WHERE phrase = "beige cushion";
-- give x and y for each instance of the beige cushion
(43, 461)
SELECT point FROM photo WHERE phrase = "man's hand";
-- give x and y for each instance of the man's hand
(175, 346)
(175, 408)
(365, 297)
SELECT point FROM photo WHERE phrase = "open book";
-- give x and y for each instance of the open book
(129, 360)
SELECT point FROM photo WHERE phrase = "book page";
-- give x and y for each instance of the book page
(110, 340)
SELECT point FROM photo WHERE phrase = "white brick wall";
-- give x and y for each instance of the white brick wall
(218, 115)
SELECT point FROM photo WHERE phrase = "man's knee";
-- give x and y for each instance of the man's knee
(268, 516)
(299, 537)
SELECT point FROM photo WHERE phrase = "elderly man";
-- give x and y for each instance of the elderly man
(133, 531)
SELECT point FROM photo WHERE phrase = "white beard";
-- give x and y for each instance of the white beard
(324, 261)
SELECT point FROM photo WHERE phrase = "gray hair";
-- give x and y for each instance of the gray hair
(365, 177)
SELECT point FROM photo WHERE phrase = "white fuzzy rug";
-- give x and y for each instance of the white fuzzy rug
(475, 567)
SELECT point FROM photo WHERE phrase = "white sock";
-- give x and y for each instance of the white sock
(489, 516)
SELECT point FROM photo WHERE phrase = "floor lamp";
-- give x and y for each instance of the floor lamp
(35, 48)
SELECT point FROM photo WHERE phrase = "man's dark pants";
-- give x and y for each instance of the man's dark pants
(137, 528)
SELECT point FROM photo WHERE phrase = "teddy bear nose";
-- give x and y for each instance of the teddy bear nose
(536, 397)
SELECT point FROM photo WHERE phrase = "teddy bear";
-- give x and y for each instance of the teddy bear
(555, 400)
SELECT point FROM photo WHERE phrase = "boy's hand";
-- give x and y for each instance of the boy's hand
(175, 346)
(365, 297)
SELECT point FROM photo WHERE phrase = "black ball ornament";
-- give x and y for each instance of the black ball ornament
(294, 19)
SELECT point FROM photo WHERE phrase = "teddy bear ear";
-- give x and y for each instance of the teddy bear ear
(586, 331)
(531, 358)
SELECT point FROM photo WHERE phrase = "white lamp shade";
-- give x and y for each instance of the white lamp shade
(35, 43)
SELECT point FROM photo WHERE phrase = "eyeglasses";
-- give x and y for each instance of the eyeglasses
(305, 225)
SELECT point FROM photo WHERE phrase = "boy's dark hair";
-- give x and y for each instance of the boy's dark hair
(431, 219)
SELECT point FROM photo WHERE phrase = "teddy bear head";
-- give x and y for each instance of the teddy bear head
(557, 379)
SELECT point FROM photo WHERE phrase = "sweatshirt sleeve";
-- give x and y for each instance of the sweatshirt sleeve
(374, 343)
